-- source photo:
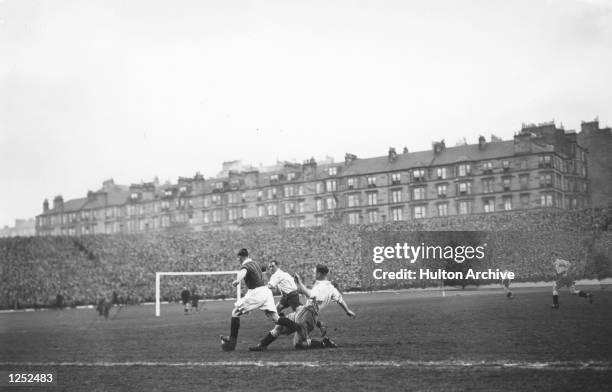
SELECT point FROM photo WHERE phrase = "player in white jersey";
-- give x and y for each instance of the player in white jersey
(305, 318)
(563, 279)
(281, 280)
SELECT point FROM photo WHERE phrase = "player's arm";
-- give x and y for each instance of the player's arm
(337, 297)
(273, 282)
(300, 285)
(241, 275)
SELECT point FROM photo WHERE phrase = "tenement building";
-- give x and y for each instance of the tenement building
(543, 166)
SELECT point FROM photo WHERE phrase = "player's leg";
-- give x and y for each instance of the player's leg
(507, 291)
(555, 293)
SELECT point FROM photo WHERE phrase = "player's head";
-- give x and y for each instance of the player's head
(321, 271)
(273, 266)
(243, 254)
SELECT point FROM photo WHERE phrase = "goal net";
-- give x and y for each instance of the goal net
(158, 277)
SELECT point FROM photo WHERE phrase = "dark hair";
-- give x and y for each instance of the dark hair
(243, 252)
(322, 269)
(274, 261)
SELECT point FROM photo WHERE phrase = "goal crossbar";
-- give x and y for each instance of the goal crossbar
(158, 276)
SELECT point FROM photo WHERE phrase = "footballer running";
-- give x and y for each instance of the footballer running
(563, 279)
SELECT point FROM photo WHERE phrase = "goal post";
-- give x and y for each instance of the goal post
(158, 276)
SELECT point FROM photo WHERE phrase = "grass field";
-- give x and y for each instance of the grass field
(467, 340)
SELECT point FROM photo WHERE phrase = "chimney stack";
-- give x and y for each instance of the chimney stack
(45, 205)
(481, 142)
(58, 202)
(392, 154)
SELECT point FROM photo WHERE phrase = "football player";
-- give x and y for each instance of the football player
(563, 279)
(305, 318)
(506, 285)
(258, 296)
(185, 295)
(290, 297)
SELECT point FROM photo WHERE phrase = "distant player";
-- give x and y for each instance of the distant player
(185, 296)
(506, 285)
(279, 279)
(194, 300)
(258, 296)
(563, 279)
(305, 318)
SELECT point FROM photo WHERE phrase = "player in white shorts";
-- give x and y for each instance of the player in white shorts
(258, 296)
(305, 318)
(563, 279)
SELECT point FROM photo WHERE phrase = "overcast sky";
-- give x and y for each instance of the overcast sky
(133, 89)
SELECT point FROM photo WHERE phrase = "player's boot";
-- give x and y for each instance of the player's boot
(509, 295)
(554, 306)
(227, 343)
(328, 343)
(259, 347)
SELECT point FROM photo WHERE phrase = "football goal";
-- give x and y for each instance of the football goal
(158, 276)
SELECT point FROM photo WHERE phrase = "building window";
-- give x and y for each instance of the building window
(353, 200)
(396, 179)
(418, 193)
(465, 170)
(545, 161)
(330, 185)
(442, 190)
(291, 176)
(371, 181)
(372, 198)
(272, 209)
(261, 211)
(396, 214)
(274, 178)
(441, 173)
(487, 185)
(318, 220)
(508, 203)
(465, 207)
(289, 190)
(301, 190)
(373, 216)
(301, 222)
(545, 179)
(289, 223)
(301, 206)
(442, 209)
(289, 208)
(546, 200)
(487, 167)
(353, 218)
(524, 181)
(489, 205)
(465, 188)
(351, 183)
(418, 175)
(232, 214)
(243, 213)
(319, 187)
(218, 185)
(216, 216)
(332, 171)
(396, 196)
(331, 203)
(319, 204)
(259, 195)
(271, 193)
(506, 165)
(506, 181)
(419, 212)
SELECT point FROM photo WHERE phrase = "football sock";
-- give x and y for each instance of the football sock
(316, 344)
(269, 338)
(234, 327)
(555, 300)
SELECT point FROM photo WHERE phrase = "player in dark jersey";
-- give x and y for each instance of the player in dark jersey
(185, 295)
(258, 296)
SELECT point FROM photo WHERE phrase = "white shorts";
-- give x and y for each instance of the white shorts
(257, 298)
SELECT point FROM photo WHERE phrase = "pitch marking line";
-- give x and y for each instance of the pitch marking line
(447, 365)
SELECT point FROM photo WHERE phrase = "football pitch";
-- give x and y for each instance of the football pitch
(412, 340)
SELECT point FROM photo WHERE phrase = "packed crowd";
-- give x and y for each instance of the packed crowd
(34, 270)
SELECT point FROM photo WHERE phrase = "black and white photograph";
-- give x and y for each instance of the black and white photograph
(266, 195)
